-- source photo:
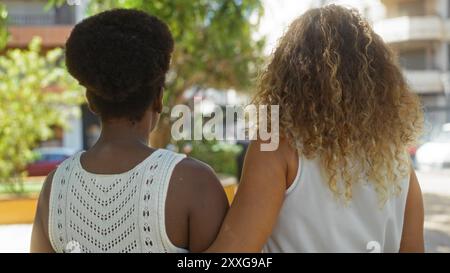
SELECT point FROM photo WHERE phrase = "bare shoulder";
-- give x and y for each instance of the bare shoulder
(40, 241)
(44, 197)
(260, 164)
(413, 221)
(284, 148)
(44, 200)
(191, 164)
(197, 193)
(196, 177)
(284, 158)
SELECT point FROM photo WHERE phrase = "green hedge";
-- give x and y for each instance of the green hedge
(221, 156)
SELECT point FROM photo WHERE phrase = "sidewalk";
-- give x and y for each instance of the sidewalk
(437, 222)
(436, 195)
(15, 238)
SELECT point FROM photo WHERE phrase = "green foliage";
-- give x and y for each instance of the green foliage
(35, 92)
(213, 39)
(3, 31)
(221, 156)
(27, 188)
(214, 42)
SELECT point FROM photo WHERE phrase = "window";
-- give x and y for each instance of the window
(448, 9)
(413, 59)
(448, 56)
(34, 13)
(65, 15)
(411, 8)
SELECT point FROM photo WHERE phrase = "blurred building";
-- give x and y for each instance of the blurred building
(419, 32)
(30, 18)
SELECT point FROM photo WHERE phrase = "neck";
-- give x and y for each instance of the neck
(123, 132)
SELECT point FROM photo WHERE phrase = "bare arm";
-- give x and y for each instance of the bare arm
(196, 206)
(40, 241)
(412, 236)
(207, 212)
(258, 201)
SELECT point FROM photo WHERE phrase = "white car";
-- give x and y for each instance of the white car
(435, 153)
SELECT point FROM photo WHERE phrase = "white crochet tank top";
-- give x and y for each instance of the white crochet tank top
(112, 213)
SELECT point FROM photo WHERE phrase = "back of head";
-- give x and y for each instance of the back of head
(343, 97)
(121, 57)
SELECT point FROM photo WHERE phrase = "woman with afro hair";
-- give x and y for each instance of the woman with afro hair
(122, 195)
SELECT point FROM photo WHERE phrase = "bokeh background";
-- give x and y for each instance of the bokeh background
(220, 46)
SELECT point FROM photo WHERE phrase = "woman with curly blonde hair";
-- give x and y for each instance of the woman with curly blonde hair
(341, 179)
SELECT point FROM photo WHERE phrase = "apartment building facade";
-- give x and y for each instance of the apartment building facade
(31, 18)
(419, 32)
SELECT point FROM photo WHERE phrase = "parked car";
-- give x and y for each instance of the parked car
(436, 152)
(48, 160)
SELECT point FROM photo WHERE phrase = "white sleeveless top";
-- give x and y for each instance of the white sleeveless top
(313, 220)
(112, 213)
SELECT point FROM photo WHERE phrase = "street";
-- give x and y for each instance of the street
(436, 192)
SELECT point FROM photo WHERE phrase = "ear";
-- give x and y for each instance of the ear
(158, 102)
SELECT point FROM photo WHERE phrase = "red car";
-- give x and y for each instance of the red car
(412, 150)
(49, 159)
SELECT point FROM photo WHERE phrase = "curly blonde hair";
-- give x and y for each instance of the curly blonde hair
(343, 98)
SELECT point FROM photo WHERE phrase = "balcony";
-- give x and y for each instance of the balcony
(42, 19)
(31, 19)
(27, 19)
(52, 36)
(53, 26)
(35, 12)
(407, 28)
(426, 81)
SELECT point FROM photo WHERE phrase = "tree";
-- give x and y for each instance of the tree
(35, 91)
(3, 30)
(214, 45)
